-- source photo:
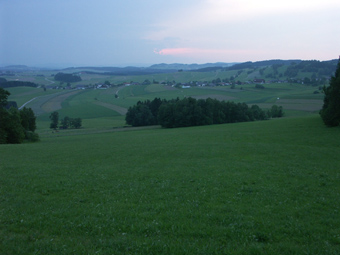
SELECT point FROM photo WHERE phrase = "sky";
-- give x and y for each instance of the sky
(63, 33)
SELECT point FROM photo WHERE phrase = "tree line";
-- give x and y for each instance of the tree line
(10, 84)
(64, 123)
(16, 126)
(65, 77)
(192, 112)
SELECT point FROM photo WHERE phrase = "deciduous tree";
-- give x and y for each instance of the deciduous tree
(54, 117)
(4, 94)
(28, 119)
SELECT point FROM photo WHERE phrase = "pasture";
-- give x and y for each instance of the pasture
(269, 187)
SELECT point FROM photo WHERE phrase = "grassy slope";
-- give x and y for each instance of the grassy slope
(267, 187)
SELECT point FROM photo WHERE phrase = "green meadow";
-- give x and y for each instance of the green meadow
(269, 187)
(266, 187)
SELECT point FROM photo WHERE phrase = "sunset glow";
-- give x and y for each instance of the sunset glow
(195, 51)
(187, 31)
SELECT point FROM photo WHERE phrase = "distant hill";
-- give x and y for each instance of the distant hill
(14, 68)
(129, 70)
(279, 70)
(187, 67)
(153, 69)
(275, 69)
(20, 68)
(264, 63)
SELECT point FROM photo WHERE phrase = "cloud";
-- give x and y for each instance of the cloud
(240, 28)
(191, 51)
(215, 55)
(193, 22)
(235, 10)
(177, 51)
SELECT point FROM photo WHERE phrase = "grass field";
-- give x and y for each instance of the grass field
(270, 187)
(90, 102)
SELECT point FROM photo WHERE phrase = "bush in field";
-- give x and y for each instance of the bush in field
(330, 112)
(259, 86)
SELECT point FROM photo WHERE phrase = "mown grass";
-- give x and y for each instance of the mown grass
(268, 187)
(22, 95)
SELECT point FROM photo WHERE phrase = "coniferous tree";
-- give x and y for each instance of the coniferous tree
(330, 112)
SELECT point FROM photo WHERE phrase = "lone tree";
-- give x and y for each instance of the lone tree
(330, 112)
(54, 117)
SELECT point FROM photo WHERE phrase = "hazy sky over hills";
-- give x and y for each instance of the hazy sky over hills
(132, 32)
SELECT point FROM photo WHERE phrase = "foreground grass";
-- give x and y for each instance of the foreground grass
(267, 187)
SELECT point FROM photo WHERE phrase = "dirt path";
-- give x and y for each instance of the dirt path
(51, 82)
(119, 109)
(27, 103)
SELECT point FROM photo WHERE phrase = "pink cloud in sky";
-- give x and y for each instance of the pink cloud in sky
(210, 53)
(198, 51)
(176, 51)
(190, 52)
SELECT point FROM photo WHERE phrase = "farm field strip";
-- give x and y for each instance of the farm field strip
(54, 103)
(119, 109)
(38, 102)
